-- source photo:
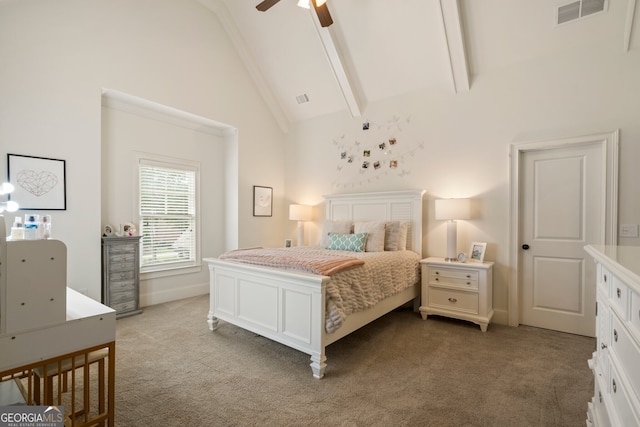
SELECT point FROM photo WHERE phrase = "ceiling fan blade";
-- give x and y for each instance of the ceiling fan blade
(323, 14)
(266, 4)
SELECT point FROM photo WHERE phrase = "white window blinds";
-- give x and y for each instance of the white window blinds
(167, 215)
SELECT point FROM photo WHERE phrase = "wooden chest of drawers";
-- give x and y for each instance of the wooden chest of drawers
(459, 290)
(121, 274)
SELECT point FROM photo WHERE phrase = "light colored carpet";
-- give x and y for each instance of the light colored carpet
(400, 370)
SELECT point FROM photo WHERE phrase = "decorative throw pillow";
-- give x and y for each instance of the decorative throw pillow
(339, 227)
(375, 237)
(347, 242)
(395, 236)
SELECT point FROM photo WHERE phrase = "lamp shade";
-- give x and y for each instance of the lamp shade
(447, 209)
(300, 213)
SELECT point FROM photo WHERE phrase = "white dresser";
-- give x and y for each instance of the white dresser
(459, 290)
(616, 361)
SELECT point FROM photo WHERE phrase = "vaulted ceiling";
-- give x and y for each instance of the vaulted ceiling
(378, 49)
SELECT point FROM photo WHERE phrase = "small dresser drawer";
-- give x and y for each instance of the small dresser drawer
(456, 278)
(622, 404)
(122, 257)
(123, 297)
(127, 247)
(453, 300)
(122, 266)
(116, 276)
(619, 297)
(625, 349)
(604, 278)
(124, 307)
(127, 285)
(634, 314)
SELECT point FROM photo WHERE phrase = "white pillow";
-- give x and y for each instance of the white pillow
(336, 227)
(375, 234)
(396, 236)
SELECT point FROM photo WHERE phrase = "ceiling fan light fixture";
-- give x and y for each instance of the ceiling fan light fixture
(304, 3)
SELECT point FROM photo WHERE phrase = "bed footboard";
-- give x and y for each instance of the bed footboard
(287, 307)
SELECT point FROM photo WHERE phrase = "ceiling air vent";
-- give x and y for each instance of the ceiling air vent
(302, 99)
(579, 9)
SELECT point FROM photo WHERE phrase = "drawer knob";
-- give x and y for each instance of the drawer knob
(603, 346)
(468, 276)
(437, 272)
(453, 300)
(600, 396)
(468, 283)
(618, 292)
(615, 335)
(605, 277)
(614, 386)
(437, 278)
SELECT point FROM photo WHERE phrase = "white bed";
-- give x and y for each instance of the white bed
(289, 306)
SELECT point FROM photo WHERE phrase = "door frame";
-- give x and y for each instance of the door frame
(608, 143)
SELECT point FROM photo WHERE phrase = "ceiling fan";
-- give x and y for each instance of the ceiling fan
(319, 5)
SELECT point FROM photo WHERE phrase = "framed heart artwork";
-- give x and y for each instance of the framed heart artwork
(40, 183)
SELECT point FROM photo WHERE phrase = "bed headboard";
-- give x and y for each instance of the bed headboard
(403, 205)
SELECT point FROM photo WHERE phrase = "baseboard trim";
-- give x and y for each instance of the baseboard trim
(159, 297)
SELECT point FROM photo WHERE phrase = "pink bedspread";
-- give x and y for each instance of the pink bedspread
(325, 263)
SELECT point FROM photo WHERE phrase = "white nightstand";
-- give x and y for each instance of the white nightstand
(459, 290)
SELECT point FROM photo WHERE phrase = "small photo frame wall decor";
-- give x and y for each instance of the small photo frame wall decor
(40, 183)
(476, 253)
(262, 201)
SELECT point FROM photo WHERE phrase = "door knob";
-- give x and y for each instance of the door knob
(525, 246)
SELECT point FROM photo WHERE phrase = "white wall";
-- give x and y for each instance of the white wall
(58, 55)
(466, 138)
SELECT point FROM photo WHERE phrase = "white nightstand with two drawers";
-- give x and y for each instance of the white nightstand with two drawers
(459, 290)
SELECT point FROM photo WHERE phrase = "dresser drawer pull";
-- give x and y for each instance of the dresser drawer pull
(453, 300)
(615, 387)
(437, 272)
(618, 292)
(603, 346)
(437, 279)
(468, 283)
(615, 335)
(468, 276)
(605, 278)
(600, 396)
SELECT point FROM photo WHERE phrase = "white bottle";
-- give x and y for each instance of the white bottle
(17, 231)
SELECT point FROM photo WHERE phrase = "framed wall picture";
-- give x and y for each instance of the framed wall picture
(40, 183)
(476, 253)
(262, 201)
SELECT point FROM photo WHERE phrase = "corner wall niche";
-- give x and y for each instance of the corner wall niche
(134, 128)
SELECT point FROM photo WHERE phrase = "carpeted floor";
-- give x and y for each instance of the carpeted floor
(398, 371)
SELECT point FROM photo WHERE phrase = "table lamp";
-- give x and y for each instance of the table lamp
(451, 210)
(300, 213)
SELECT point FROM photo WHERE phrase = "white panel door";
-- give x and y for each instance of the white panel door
(562, 210)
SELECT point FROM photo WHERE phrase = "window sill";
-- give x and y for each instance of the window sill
(167, 272)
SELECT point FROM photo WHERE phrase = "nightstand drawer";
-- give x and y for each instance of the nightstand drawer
(469, 281)
(453, 300)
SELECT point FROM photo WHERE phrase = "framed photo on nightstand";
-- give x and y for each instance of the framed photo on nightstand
(476, 253)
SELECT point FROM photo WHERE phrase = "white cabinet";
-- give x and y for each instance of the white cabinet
(458, 290)
(616, 361)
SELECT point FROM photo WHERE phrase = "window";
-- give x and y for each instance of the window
(167, 204)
